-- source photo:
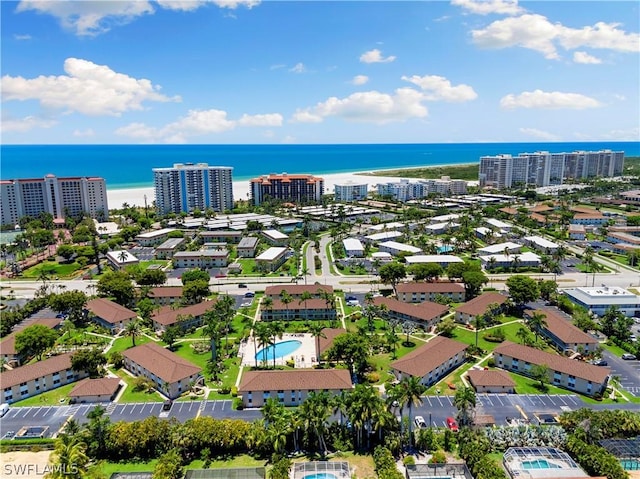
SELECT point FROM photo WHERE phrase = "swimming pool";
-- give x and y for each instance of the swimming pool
(321, 475)
(539, 464)
(630, 464)
(445, 249)
(282, 349)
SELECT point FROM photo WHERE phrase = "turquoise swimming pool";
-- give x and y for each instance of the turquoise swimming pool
(282, 349)
(321, 475)
(539, 464)
(630, 464)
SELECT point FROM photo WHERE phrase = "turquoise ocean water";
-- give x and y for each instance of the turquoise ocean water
(129, 166)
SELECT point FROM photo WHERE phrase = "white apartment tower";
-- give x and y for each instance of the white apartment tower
(61, 197)
(350, 191)
(544, 169)
(193, 186)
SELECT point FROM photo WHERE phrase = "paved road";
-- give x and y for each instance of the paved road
(438, 408)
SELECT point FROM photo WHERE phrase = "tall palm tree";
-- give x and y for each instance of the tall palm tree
(536, 322)
(315, 410)
(304, 297)
(478, 324)
(317, 331)
(465, 402)
(133, 329)
(361, 404)
(286, 299)
(304, 272)
(523, 335)
(69, 459)
(276, 329)
(262, 335)
(411, 390)
(225, 309)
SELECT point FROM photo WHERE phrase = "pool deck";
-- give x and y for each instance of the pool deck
(303, 357)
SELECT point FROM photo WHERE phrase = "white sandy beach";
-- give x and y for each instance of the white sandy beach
(135, 196)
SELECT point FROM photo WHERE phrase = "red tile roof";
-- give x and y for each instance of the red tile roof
(297, 289)
(579, 369)
(296, 380)
(425, 311)
(429, 356)
(166, 292)
(479, 304)
(331, 334)
(95, 387)
(440, 287)
(563, 329)
(313, 303)
(490, 378)
(161, 362)
(110, 311)
(168, 316)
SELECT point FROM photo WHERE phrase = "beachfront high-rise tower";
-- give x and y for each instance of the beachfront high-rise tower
(60, 197)
(193, 186)
(300, 189)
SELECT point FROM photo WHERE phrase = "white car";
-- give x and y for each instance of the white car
(420, 422)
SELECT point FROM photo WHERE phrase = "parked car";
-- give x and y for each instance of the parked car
(249, 294)
(351, 298)
(452, 424)
(628, 356)
(600, 362)
(420, 422)
(167, 405)
(242, 285)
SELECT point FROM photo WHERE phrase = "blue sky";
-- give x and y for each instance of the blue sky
(251, 72)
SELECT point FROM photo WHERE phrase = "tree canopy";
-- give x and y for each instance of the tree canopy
(35, 340)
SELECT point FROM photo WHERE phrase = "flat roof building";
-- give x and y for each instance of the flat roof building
(298, 188)
(350, 191)
(599, 299)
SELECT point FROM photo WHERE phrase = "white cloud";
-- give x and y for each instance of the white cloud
(368, 107)
(537, 33)
(21, 37)
(22, 125)
(540, 134)
(375, 56)
(87, 88)
(277, 67)
(548, 100)
(584, 57)
(272, 119)
(360, 79)
(486, 7)
(298, 68)
(84, 133)
(196, 123)
(437, 88)
(89, 18)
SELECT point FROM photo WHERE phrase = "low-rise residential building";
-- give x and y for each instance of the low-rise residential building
(431, 361)
(291, 388)
(599, 298)
(381, 257)
(396, 248)
(491, 381)
(485, 233)
(622, 237)
(507, 247)
(310, 309)
(589, 219)
(163, 295)
(247, 247)
(170, 374)
(383, 236)
(577, 232)
(153, 238)
(441, 228)
(562, 334)
(425, 315)
(35, 378)
(275, 237)
(297, 290)
(203, 259)
(419, 292)
(353, 248)
(443, 260)
(501, 226)
(466, 313)
(567, 373)
(444, 218)
(95, 390)
(8, 351)
(187, 317)
(272, 258)
(221, 236)
(517, 260)
(120, 259)
(109, 314)
(541, 244)
(170, 247)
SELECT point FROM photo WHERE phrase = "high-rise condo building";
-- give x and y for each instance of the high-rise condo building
(291, 188)
(350, 191)
(405, 190)
(61, 197)
(544, 169)
(193, 186)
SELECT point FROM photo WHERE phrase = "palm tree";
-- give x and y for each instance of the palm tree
(411, 391)
(212, 329)
(478, 324)
(536, 322)
(133, 329)
(276, 330)
(317, 331)
(286, 299)
(523, 335)
(304, 297)
(391, 337)
(408, 327)
(224, 308)
(361, 404)
(304, 272)
(262, 335)
(69, 459)
(465, 402)
(315, 410)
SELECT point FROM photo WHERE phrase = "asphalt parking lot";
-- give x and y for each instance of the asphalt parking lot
(628, 371)
(143, 253)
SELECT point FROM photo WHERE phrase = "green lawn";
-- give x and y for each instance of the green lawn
(612, 348)
(52, 269)
(50, 398)
(242, 460)
(129, 395)
(442, 388)
(126, 342)
(469, 336)
(525, 385)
